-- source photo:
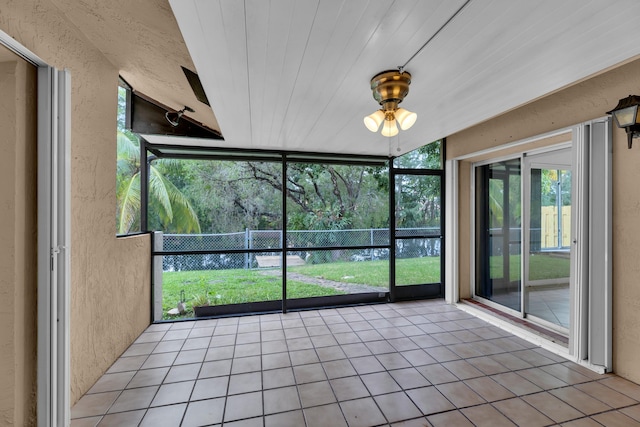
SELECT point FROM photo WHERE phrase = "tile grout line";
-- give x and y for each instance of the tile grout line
(387, 315)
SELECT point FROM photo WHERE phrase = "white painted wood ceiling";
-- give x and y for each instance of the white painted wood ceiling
(294, 74)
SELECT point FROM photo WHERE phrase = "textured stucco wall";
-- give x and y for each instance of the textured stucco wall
(18, 235)
(584, 101)
(110, 292)
(7, 284)
(464, 229)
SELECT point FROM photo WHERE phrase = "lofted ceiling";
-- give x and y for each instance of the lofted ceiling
(294, 74)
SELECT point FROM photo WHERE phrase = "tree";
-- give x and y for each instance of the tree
(127, 185)
(228, 200)
(230, 196)
(330, 197)
(426, 157)
(169, 208)
(167, 204)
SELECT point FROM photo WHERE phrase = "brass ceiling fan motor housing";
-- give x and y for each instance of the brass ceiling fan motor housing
(390, 87)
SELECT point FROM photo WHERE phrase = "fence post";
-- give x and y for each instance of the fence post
(247, 261)
(284, 250)
(371, 232)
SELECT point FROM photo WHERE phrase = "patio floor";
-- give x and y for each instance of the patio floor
(421, 363)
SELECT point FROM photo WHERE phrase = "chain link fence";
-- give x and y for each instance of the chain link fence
(271, 241)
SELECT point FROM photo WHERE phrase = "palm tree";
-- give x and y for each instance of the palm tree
(174, 211)
(495, 202)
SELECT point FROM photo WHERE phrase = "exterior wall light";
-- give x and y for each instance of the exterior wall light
(626, 116)
(174, 118)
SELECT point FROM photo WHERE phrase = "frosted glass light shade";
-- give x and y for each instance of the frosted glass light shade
(626, 116)
(373, 121)
(405, 118)
(389, 128)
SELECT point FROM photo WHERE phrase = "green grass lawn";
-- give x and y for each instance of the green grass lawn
(240, 286)
(231, 287)
(541, 266)
(376, 273)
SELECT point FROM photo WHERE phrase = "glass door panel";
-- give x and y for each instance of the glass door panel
(498, 233)
(548, 261)
(542, 217)
(418, 229)
(417, 261)
(337, 225)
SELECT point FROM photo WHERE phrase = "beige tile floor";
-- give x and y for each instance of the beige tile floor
(405, 364)
(551, 304)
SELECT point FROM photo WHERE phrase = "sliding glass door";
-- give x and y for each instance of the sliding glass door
(523, 236)
(542, 232)
(499, 233)
(547, 263)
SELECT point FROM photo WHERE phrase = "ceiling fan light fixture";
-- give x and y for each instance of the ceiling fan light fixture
(389, 88)
(374, 120)
(390, 128)
(405, 118)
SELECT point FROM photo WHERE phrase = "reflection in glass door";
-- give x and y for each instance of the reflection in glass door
(498, 233)
(547, 264)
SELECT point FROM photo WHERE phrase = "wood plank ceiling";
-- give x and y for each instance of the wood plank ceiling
(294, 74)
